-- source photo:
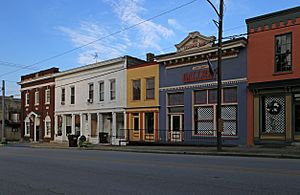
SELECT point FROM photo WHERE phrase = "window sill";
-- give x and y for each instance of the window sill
(282, 73)
(47, 103)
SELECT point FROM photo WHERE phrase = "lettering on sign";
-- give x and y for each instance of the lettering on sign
(199, 75)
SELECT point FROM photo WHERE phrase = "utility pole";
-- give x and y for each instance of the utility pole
(219, 70)
(3, 111)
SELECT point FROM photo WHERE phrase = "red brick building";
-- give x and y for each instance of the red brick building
(274, 77)
(37, 99)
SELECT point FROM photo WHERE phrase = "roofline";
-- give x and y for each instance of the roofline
(94, 65)
(143, 65)
(206, 51)
(273, 14)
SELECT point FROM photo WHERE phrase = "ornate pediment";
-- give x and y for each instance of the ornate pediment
(195, 41)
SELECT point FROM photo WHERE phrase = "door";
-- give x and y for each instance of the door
(37, 133)
(176, 128)
(297, 120)
(135, 131)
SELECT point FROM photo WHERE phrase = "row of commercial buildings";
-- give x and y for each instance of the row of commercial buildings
(171, 98)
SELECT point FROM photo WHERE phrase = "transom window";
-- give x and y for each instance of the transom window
(283, 52)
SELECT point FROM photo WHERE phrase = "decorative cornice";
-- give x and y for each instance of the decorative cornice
(206, 84)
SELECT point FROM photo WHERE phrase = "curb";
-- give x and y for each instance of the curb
(223, 153)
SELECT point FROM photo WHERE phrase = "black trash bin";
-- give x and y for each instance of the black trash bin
(103, 137)
(72, 140)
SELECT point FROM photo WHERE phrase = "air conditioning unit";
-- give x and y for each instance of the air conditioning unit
(90, 100)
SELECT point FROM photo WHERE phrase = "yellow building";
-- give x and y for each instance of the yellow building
(142, 112)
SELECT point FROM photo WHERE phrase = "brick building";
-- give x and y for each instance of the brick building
(37, 102)
(274, 77)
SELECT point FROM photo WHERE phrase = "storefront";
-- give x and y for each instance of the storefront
(142, 102)
(188, 92)
(274, 77)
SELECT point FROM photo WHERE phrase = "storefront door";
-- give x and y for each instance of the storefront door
(176, 128)
(297, 120)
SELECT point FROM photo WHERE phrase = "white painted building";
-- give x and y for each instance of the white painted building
(91, 101)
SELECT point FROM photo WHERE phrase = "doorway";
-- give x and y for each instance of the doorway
(176, 128)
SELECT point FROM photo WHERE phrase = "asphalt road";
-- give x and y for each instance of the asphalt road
(59, 171)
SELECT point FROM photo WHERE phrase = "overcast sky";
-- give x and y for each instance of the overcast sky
(35, 30)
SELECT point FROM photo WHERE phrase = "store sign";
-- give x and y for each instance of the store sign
(199, 75)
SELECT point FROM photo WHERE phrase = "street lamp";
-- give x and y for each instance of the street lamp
(219, 73)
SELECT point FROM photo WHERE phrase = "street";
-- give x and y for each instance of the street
(26, 170)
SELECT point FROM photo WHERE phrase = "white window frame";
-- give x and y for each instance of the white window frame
(47, 121)
(111, 90)
(36, 97)
(27, 123)
(71, 87)
(46, 96)
(91, 92)
(62, 102)
(101, 92)
(27, 98)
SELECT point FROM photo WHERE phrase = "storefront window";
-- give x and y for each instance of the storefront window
(200, 97)
(273, 114)
(230, 95)
(212, 96)
(149, 122)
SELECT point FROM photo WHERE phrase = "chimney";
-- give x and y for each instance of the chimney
(150, 57)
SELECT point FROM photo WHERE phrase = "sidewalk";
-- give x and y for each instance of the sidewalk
(255, 151)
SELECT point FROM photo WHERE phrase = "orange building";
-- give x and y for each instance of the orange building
(142, 102)
(274, 77)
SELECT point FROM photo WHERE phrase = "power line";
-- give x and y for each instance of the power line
(109, 35)
(12, 64)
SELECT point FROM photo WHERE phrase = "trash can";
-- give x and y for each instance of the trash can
(72, 140)
(103, 137)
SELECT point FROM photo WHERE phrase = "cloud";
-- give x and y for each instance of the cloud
(144, 36)
(88, 32)
(175, 24)
(149, 33)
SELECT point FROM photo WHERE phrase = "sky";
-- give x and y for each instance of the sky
(38, 34)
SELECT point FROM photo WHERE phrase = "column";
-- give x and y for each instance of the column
(64, 124)
(34, 129)
(99, 123)
(89, 133)
(81, 123)
(114, 127)
(55, 125)
(124, 133)
(73, 124)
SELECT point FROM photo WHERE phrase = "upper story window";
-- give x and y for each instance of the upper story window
(47, 96)
(136, 89)
(112, 89)
(150, 86)
(283, 52)
(72, 95)
(101, 91)
(27, 99)
(36, 98)
(91, 92)
(63, 96)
